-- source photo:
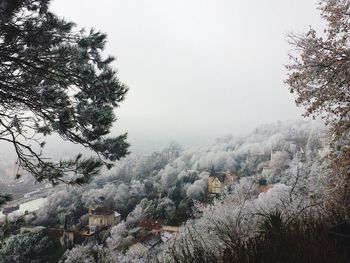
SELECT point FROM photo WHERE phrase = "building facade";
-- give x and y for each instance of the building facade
(102, 217)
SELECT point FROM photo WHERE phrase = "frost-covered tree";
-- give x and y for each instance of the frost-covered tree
(29, 248)
(55, 80)
(119, 237)
(197, 189)
(89, 253)
(319, 71)
(174, 188)
(230, 222)
(63, 205)
(79, 254)
(279, 160)
(142, 210)
(319, 75)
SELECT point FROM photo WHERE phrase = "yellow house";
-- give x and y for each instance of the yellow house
(102, 217)
(215, 186)
(218, 180)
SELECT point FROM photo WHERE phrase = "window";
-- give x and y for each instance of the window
(92, 229)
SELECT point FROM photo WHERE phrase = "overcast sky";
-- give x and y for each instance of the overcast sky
(197, 69)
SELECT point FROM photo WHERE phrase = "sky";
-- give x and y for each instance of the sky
(197, 69)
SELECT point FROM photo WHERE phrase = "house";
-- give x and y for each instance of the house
(215, 185)
(138, 248)
(102, 217)
(156, 234)
(146, 244)
(168, 233)
(218, 180)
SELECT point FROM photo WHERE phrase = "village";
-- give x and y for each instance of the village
(147, 234)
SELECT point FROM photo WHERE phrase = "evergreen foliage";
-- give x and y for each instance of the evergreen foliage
(54, 79)
(30, 248)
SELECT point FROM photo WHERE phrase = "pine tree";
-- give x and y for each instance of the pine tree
(55, 79)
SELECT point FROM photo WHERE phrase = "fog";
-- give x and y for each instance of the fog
(197, 69)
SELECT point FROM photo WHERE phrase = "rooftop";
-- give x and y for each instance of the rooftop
(150, 240)
(150, 224)
(170, 228)
(101, 211)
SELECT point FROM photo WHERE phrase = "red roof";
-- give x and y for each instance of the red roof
(150, 224)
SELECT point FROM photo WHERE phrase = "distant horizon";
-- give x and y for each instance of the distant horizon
(197, 69)
(144, 146)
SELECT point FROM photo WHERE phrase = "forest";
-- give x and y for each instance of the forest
(280, 193)
(172, 185)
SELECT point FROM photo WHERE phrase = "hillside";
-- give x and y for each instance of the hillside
(171, 186)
